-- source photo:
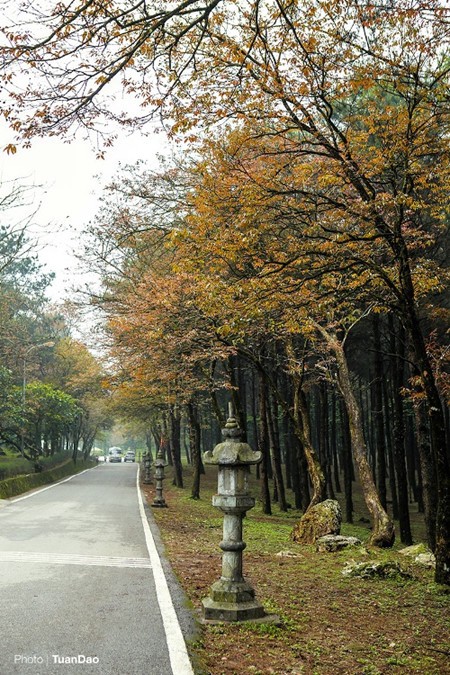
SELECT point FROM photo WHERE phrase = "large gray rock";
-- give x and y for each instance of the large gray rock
(374, 569)
(421, 554)
(415, 549)
(331, 543)
(285, 554)
(321, 519)
(426, 559)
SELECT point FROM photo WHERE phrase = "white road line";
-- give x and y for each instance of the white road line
(49, 487)
(179, 659)
(71, 559)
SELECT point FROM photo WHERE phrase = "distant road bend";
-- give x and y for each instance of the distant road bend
(83, 588)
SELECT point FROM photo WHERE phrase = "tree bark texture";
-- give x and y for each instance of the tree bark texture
(383, 532)
(397, 342)
(378, 413)
(194, 442)
(263, 446)
(175, 445)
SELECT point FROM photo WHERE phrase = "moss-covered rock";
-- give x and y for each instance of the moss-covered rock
(421, 554)
(373, 569)
(321, 519)
(335, 542)
(415, 549)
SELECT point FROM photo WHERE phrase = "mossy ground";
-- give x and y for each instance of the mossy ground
(330, 625)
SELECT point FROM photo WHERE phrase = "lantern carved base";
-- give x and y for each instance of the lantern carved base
(232, 601)
(159, 505)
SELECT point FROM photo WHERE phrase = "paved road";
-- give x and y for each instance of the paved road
(82, 584)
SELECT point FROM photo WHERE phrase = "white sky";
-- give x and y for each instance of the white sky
(68, 199)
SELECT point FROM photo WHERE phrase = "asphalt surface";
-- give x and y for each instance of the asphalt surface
(82, 583)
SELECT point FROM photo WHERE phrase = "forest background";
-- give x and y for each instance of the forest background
(292, 255)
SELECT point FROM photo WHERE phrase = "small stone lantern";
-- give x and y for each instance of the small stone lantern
(147, 465)
(159, 465)
(232, 598)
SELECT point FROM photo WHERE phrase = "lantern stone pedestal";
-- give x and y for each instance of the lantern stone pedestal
(232, 598)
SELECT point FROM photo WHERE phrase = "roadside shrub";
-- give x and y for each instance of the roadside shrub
(11, 487)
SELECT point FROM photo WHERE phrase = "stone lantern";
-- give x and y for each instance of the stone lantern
(159, 465)
(147, 464)
(232, 598)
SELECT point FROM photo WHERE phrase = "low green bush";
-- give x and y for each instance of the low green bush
(11, 487)
(13, 464)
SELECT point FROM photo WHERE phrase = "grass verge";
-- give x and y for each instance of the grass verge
(330, 624)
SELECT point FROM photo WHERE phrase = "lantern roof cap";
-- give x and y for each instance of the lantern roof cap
(232, 450)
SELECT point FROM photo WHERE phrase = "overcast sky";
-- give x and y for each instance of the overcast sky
(69, 193)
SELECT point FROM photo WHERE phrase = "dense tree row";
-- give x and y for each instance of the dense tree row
(189, 314)
(314, 214)
(51, 396)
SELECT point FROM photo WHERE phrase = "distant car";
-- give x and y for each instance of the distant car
(115, 458)
(130, 456)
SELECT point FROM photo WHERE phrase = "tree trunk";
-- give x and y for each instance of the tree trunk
(383, 532)
(254, 408)
(148, 444)
(302, 425)
(276, 455)
(411, 456)
(333, 442)
(301, 416)
(440, 453)
(324, 437)
(378, 413)
(263, 446)
(292, 461)
(388, 407)
(347, 462)
(175, 446)
(435, 414)
(397, 369)
(194, 442)
(428, 474)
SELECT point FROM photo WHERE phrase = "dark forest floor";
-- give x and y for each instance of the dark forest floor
(330, 624)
